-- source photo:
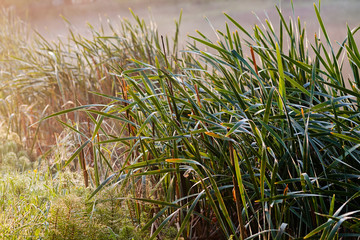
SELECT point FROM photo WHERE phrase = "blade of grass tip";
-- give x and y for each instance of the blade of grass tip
(211, 45)
(282, 89)
(317, 11)
(239, 26)
(230, 41)
(332, 205)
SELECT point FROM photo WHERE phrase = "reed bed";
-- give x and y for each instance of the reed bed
(255, 138)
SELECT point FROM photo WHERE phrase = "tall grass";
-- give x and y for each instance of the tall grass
(256, 138)
(40, 77)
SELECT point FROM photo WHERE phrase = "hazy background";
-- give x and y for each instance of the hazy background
(44, 15)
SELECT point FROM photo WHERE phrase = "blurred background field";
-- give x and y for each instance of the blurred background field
(44, 15)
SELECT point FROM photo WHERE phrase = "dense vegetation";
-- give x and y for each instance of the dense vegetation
(255, 138)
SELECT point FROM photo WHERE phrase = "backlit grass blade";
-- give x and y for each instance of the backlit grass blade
(281, 84)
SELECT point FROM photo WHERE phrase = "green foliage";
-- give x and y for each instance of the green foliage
(261, 147)
(105, 218)
(41, 77)
(23, 206)
(34, 205)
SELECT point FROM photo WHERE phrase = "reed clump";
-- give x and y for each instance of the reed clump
(257, 137)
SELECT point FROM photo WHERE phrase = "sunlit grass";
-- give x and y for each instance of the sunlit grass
(36, 204)
(256, 138)
(261, 146)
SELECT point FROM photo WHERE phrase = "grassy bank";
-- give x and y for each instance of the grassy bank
(255, 138)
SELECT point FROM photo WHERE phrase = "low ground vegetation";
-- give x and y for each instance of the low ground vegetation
(36, 204)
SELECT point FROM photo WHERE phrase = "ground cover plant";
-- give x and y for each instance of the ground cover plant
(255, 138)
(36, 203)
